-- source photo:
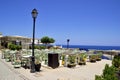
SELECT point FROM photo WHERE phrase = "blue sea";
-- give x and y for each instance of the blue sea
(93, 47)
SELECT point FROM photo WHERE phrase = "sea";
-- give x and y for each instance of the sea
(91, 47)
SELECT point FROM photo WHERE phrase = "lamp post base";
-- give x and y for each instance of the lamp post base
(32, 65)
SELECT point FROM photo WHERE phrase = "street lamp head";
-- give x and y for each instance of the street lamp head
(68, 40)
(34, 13)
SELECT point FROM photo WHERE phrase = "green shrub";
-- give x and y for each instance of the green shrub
(18, 47)
(42, 47)
(109, 73)
(14, 47)
(63, 57)
(71, 58)
(116, 61)
(36, 47)
(98, 77)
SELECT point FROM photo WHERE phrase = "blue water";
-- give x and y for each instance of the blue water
(104, 57)
(93, 47)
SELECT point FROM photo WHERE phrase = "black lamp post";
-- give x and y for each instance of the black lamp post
(68, 40)
(34, 16)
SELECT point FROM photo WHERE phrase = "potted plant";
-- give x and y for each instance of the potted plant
(7, 57)
(17, 64)
(63, 59)
(37, 62)
(3, 52)
(71, 59)
(82, 59)
(98, 56)
(92, 58)
(25, 62)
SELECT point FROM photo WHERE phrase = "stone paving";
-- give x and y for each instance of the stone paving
(87, 72)
(8, 73)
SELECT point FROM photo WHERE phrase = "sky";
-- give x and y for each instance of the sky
(84, 22)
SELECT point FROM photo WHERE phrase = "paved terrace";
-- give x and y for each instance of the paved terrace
(87, 72)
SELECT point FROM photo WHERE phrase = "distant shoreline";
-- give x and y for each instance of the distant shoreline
(92, 47)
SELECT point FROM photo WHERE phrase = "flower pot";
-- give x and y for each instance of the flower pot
(17, 66)
(93, 60)
(98, 59)
(82, 63)
(7, 60)
(71, 65)
(37, 67)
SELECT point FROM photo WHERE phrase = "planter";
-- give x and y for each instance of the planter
(71, 65)
(7, 60)
(98, 59)
(82, 63)
(17, 66)
(93, 60)
(37, 67)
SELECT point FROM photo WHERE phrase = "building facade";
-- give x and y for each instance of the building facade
(17, 40)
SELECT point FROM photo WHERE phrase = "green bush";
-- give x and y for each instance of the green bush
(109, 73)
(116, 61)
(63, 57)
(37, 47)
(42, 47)
(14, 47)
(18, 47)
(98, 77)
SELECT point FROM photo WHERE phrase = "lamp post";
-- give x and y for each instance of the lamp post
(68, 40)
(34, 16)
